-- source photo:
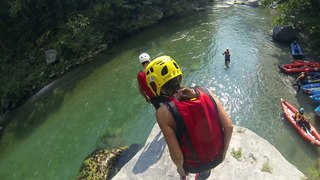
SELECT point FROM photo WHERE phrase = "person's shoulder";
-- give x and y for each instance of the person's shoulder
(161, 111)
(140, 73)
(164, 116)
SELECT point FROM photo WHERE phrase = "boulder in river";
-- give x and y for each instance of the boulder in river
(100, 163)
(284, 34)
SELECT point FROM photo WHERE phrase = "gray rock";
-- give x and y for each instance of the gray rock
(51, 56)
(257, 159)
(284, 34)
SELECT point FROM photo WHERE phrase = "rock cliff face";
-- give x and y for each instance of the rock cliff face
(249, 157)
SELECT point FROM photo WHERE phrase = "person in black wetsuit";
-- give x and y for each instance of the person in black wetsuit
(298, 81)
(227, 57)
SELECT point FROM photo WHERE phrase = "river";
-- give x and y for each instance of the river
(98, 105)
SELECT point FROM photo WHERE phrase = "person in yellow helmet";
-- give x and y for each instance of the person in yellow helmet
(195, 125)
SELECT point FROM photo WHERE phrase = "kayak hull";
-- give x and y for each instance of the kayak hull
(313, 137)
(296, 50)
(317, 111)
(313, 88)
(299, 67)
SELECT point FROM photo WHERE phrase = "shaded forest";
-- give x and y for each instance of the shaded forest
(304, 15)
(76, 29)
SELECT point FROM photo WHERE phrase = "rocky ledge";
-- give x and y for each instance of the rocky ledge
(249, 157)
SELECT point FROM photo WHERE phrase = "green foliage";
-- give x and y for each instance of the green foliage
(303, 14)
(314, 171)
(297, 10)
(73, 42)
(16, 7)
(266, 167)
(237, 153)
(77, 23)
(266, 3)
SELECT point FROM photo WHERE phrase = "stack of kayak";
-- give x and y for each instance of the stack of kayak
(296, 50)
(289, 111)
(298, 66)
(312, 88)
(311, 82)
(307, 79)
(312, 77)
(315, 97)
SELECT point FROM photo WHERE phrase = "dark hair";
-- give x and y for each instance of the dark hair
(173, 86)
(145, 62)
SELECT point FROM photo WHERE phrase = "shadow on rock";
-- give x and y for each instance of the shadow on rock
(150, 155)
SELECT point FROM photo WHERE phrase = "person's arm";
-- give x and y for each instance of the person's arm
(298, 79)
(298, 117)
(226, 123)
(141, 91)
(143, 94)
(167, 126)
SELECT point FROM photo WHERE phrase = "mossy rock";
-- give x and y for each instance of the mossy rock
(100, 164)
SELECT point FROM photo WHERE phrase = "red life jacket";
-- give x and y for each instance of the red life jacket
(141, 77)
(198, 131)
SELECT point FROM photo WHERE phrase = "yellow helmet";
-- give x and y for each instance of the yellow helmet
(159, 71)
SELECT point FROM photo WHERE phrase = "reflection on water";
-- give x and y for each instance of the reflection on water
(98, 105)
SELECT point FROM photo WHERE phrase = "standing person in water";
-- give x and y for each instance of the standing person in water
(226, 58)
(195, 125)
(144, 90)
